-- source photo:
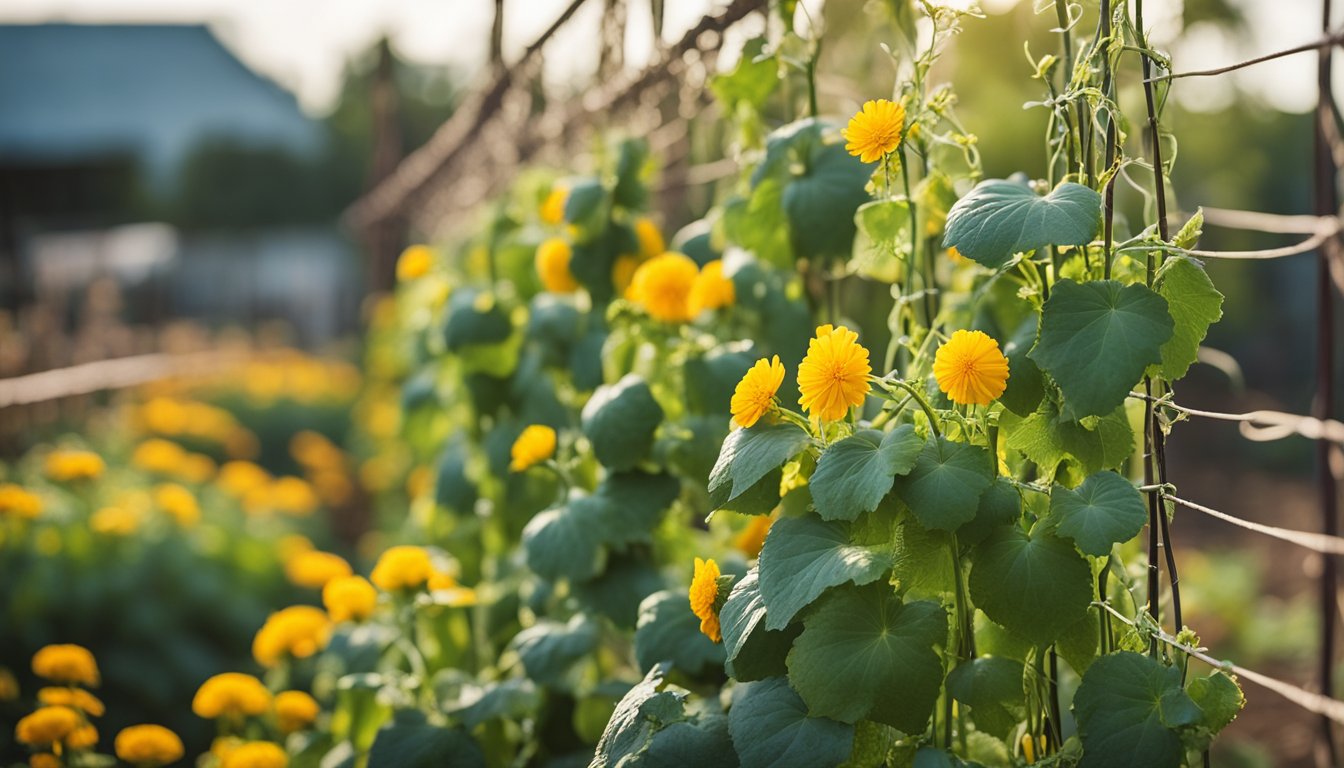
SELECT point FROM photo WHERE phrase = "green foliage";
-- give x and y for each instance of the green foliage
(620, 420)
(752, 651)
(1104, 511)
(853, 475)
(669, 632)
(1000, 218)
(771, 728)
(1034, 584)
(943, 489)
(804, 557)
(992, 688)
(1130, 709)
(425, 746)
(750, 454)
(1194, 305)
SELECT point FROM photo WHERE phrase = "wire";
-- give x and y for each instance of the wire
(1316, 542)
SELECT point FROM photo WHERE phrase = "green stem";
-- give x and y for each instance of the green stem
(924, 404)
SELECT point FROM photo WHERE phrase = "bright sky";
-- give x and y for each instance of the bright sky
(304, 44)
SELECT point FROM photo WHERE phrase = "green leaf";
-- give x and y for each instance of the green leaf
(635, 502)
(616, 594)
(668, 631)
(751, 651)
(584, 201)
(1097, 338)
(1105, 510)
(1000, 218)
(1125, 708)
(1078, 644)
(514, 699)
(864, 654)
(992, 688)
(474, 318)
(631, 162)
(1049, 439)
(1026, 387)
(883, 239)
(424, 746)
(771, 728)
(566, 542)
(1190, 231)
(751, 82)
(999, 505)
(750, 454)
(710, 381)
(943, 489)
(548, 649)
(620, 420)
(699, 740)
(853, 475)
(1219, 697)
(803, 557)
(1036, 586)
(641, 713)
(1194, 305)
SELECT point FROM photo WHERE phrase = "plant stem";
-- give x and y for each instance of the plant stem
(913, 261)
(924, 404)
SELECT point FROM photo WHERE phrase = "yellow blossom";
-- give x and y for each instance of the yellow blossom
(9, 685)
(755, 393)
(295, 710)
(552, 261)
(74, 698)
(704, 594)
(403, 567)
(553, 207)
(662, 286)
(875, 130)
(349, 598)
(650, 238)
(833, 377)
(232, 695)
(44, 760)
(115, 521)
(414, 262)
(19, 502)
(83, 737)
(751, 539)
(535, 445)
(67, 663)
(255, 754)
(178, 503)
(313, 569)
(158, 455)
(298, 631)
(711, 289)
(66, 465)
(238, 477)
(293, 496)
(314, 449)
(47, 726)
(148, 746)
(623, 273)
(970, 369)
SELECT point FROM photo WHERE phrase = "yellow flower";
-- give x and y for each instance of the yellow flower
(553, 207)
(196, 468)
(414, 262)
(292, 544)
(751, 539)
(623, 273)
(704, 593)
(970, 369)
(83, 737)
(293, 496)
(662, 286)
(178, 503)
(47, 725)
(650, 238)
(115, 521)
(535, 445)
(74, 698)
(70, 664)
(448, 592)
(236, 478)
(295, 710)
(313, 569)
(755, 393)
(19, 502)
(148, 746)
(833, 376)
(349, 598)
(298, 631)
(711, 289)
(231, 694)
(875, 130)
(158, 455)
(66, 465)
(403, 567)
(314, 449)
(552, 260)
(255, 754)
(44, 760)
(9, 685)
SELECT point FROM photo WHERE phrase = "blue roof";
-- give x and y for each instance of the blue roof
(69, 91)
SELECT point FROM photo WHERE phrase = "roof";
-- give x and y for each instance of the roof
(71, 91)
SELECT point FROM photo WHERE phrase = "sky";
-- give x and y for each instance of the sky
(305, 44)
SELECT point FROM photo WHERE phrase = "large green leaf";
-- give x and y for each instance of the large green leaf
(1218, 697)
(1036, 586)
(1105, 510)
(668, 631)
(548, 649)
(1000, 218)
(853, 475)
(1194, 305)
(1049, 439)
(992, 688)
(620, 420)
(1128, 708)
(943, 489)
(803, 557)
(635, 504)
(752, 80)
(1025, 385)
(750, 454)
(1097, 338)
(700, 739)
(864, 654)
(637, 718)
(999, 505)
(616, 594)
(424, 746)
(771, 728)
(514, 699)
(752, 652)
(883, 241)
(566, 542)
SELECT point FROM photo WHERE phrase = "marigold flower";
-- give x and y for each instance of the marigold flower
(414, 262)
(403, 567)
(650, 238)
(196, 468)
(349, 598)
(295, 710)
(83, 737)
(754, 395)
(298, 631)
(74, 698)
(236, 478)
(67, 663)
(552, 262)
(704, 594)
(115, 521)
(970, 369)
(833, 377)
(19, 502)
(179, 503)
(158, 455)
(255, 754)
(662, 286)
(231, 694)
(9, 685)
(148, 746)
(535, 445)
(293, 496)
(623, 273)
(751, 539)
(66, 465)
(44, 760)
(875, 130)
(711, 289)
(313, 569)
(553, 207)
(47, 726)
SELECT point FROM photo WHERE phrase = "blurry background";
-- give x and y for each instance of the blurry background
(173, 174)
